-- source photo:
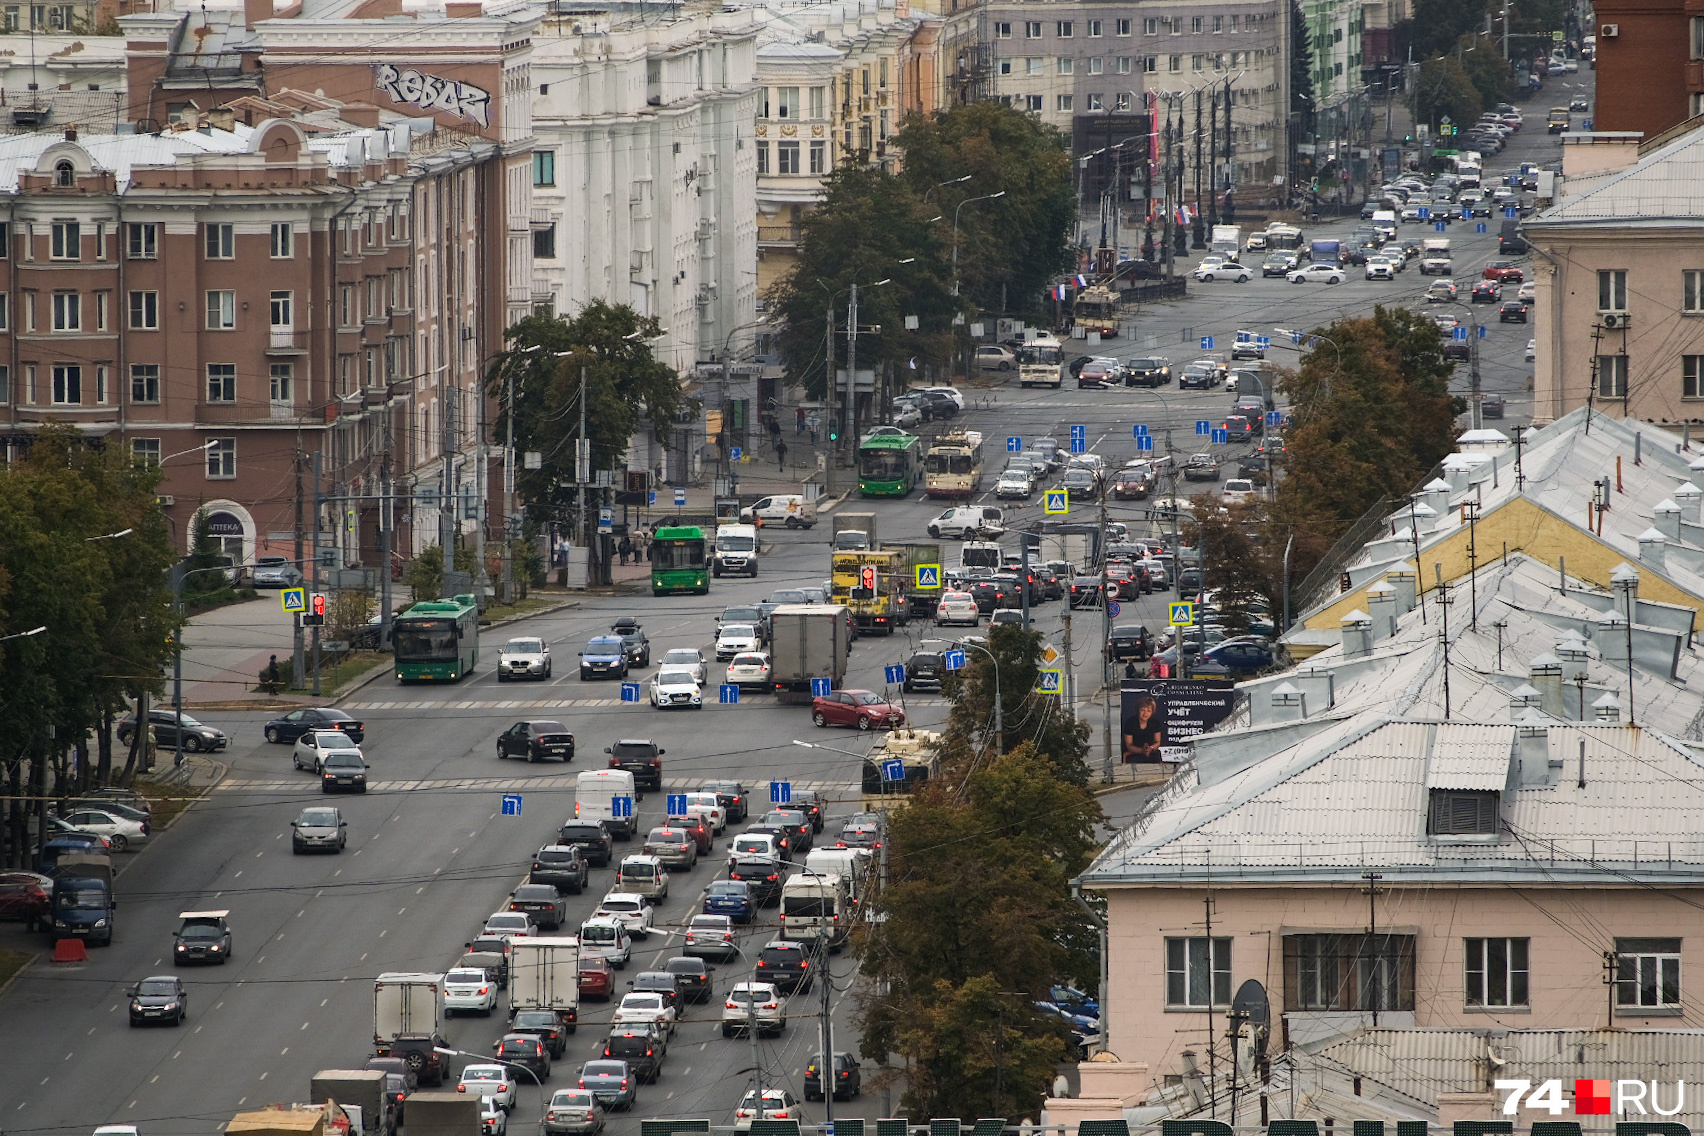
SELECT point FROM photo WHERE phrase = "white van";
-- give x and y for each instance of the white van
(1384, 220)
(595, 794)
(790, 509)
(969, 522)
(737, 547)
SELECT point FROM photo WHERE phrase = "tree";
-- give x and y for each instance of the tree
(1301, 70)
(1482, 62)
(1443, 89)
(1436, 25)
(1028, 717)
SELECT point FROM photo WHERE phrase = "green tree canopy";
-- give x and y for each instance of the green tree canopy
(1444, 88)
(1481, 60)
(1027, 717)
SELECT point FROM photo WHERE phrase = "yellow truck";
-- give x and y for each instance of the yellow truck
(872, 587)
(915, 751)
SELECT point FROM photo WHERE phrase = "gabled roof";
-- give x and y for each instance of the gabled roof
(1659, 189)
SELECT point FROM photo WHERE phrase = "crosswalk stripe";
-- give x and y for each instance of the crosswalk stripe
(503, 784)
(557, 704)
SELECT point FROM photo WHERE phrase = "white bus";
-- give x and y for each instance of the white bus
(952, 467)
(1041, 363)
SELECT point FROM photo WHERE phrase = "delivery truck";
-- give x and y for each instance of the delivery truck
(807, 641)
(443, 1112)
(361, 1094)
(858, 522)
(909, 556)
(544, 974)
(83, 905)
(406, 1003)
(852, 865)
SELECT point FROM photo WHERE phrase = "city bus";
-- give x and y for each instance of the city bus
(679, 562)
(953, 465)
(1041, 363)
(915, 750)
(889, 464)
(437, 640)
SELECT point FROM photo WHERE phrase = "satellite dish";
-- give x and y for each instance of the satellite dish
(1251, 1006)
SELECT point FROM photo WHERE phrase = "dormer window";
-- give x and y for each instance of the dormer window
(1463, 812)
(64, 175)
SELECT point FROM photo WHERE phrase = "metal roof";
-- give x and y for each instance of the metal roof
(1660, 187)
(1469, 757)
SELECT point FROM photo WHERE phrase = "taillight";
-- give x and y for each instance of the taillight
(461, 1088)
(550, 1116)
(485, 989)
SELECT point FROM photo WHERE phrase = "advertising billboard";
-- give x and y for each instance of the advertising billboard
(1159, 716)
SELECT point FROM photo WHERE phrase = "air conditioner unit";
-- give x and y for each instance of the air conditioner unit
(1617, 320)
(1609, 31)
(166, 501)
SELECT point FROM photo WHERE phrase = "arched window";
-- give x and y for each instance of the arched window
(65, 174)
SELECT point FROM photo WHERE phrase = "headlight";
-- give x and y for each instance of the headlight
(216, 947)
(136, 1006)
(100, 922)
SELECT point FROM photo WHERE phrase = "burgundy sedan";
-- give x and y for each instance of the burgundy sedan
(861, 708)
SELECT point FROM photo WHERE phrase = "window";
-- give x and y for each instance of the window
(142, 240)
(1647, 974)
(819, 157)
(1150, 64)
(222, 458)
(1176, 25)
(283, 305)
(1094, 102)
(283, 382)
(1063, 103)
(67, 311)
(1121, 101)
(544, 167)
(220, 241)
(1032, 102)
(1195, 25)
(1692, 376)
(1612, 376)
(348, 316)
(1198, 972)
(1176, 63)
(1151, 26)
(5, 312)
(1195, 62)
(1349, 972)
(1236, 23)
(1032, 29)
(1064, 28)
(819, 102)
(1032, 65)
(1065, 65)
(1463, 812)
(101, 377)
(1005, 66)
(145, 451)
(221, 382)
(5, 384)
(1697, 27)
(786, 102)
(1094, 29)
(786, 157)
(1218, 25)
(283, 240)
(67, 384)
(1003, 29)
(1095, 65)
(67, 241)
(221, 310)
(1692, 290)
(1496, 972)
(144, 311)
(1124, 64)
(1612, 290)
(144, 382)
(763, 157)
(544, 243)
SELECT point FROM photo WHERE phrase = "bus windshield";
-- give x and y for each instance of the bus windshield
(881, 463)
(677, 554)
(1041, 353)
(425, 639)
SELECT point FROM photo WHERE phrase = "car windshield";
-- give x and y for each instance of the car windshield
(506, 922)
(343, 760)
(685, 656)
(738, 631)
(642, 1002)
(200, 932)
(554, 856)
(318, 818)
(740, 613)
(527, 646)
(676, 678)
(726, 887)
(742, 994)
(476, 1073)
(865, 698)
(157, 988)
(786, 598)
(604, 645)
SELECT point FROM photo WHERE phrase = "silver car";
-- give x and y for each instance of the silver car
(319, 829)
(275, 572)
(574, 1112)
(611, 1082)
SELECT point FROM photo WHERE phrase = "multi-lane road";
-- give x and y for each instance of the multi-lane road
(430, 855)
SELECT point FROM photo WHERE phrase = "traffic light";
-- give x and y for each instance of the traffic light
(867, 577)
(315, 615)
(319, 604)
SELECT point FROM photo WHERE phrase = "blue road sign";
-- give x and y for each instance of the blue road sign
(1049, 681)
(1206, 343)
(728, 694)
(928, 575)
(1511, 212)
(893, 672)
(1079, 431)
(1220, 435)
(680, 497)
(1244, 337)
(606, 519)
(1482, 330)
(676, 804)
(1014, 445)
(1479, 228)
(780, 792)
(1055, 501)
(1078, 445)
(1145, 443)
(734, 453)
(1442, 226)
(1138, 430)
(630, 692)
(1273, 417)
(955, 660)
(651, 497)
(893, 769)
(511, 804)
(822, 687)
(621, 807)
(1113, 608)
(1466, 213)
(1425, 212)
(1203, 427)
(1296, 338)
(1263, 341)
(1458, 333)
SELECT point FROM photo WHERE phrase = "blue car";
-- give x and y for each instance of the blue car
(731, 898)
(604, 656)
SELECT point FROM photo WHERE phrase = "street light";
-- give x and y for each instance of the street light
(961, 205)
(942, 184)
(43, 627)
(999, 716)
(109, 536)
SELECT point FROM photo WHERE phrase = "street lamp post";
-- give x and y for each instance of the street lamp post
(508, 475)
(24, 634)
(999, 715)
(961, 205)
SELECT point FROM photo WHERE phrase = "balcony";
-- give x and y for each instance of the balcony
(286, 341)
(245, 414)
(779, 236)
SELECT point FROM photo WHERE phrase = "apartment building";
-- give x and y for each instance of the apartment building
(1334, 34)
(644, 175)
(1650, 65)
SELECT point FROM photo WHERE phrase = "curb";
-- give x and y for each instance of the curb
(35, 957)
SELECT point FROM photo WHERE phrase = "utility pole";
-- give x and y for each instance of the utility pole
(508, 486)
(1180, 238)
(582, 472)
(847, 425)
(1476, 395)
(447, 505)
(751, 1032)
(297, 656)
(319, 461)
(1200, 239)
(387, 517)
(828, 392)
(1212, 1049)
(826, 1072)
(1213, 157)
(481, 478)
(1070, 678)
(1170, 217)
(1107, 683)
(1373, 879)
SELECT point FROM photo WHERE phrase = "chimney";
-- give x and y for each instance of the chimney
(255, 11)
(1545, 672)
(1624, 582)
(464, 9)
(1611, 639)
(1523, 697)
(70, 134)
(1419, 515)
(364, 115)
(1532, 750)
(1436, 493)
(1289, 703)
(222, 118)
(1406, 582)
(1357, 635)
(1667, 516)
(1690, 498)
(1575, 655)
(1381, 605)
(1651, 543)
(1608, 708)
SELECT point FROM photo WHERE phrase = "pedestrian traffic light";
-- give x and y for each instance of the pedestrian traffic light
(867, 577)
(319, 603)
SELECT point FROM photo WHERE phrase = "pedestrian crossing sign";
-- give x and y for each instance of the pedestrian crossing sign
(1056, 501)
(295, 600)
(928, 575)
(1181, 614)
(1049, 681)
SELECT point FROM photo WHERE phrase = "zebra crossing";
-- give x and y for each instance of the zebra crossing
(477, 784)
(548, 704)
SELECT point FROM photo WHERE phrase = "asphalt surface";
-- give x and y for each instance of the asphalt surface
(430, 855)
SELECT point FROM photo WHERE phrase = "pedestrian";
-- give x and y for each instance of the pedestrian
(781, 455)
(774, 429)
(799, 422)
(269, 677)
(625, 548)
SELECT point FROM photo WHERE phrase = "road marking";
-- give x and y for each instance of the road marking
(92, 1028)
(280, 936)
(239, 872)
(301, 913)
(176, 1055)
(304, 1025)
(382, 934)
(154, 1078)
(283, 1051)
(420, 889)
(400, 910)
(263, 1076)
(323, 1001)
(132, 1104)
(339, 871)
(258, 855)
(68, 1056)
(219, 1004)
(262, 958)
(197, 1029)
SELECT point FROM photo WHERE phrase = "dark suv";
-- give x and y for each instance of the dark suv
(641, 757)
(1147, 372)
(785, 963)
(591, 838)
(692, 976)
(561, 865)
(633, 641)
(811, 803)
(536, 741)
(923, 671)
(733, 796)
(639, 1048)
(661, 982)
(549, 1026)
(423, 1053)
(542, 902)
(1129, 642)
(764, 876)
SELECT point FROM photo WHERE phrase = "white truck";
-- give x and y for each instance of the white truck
(736, 551)
(1435, 257)
(807, 641)
(815, 908)
(1227, 240)
(544, 974)
(853, 865)
(406, 1002)
(598, 794)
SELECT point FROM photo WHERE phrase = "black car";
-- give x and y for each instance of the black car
(641, 757)
(1129, 642)
(498, 947)
(692, 976)
(562, 866)
(1487, 292)
(796, 823)
(1150, 371)
(423, 1053)
(1492, 406)
(524, 1051)
(1515, 311)
(812, 804)
(661, 982)
(939, 404)
(536, 741)
(285, 730)
(546, 906)
(848, 1077)
(343, 771)
(1198, 378)
(640, 1048)
(204, 937)
(591, 838)
(1085, 591)
(762, 874)
(992, 593)
(1242, 656)
(198, 737)
(1052, 587)
(733, 797)
(546, 1025)
(787, 964)
(400, 1080)
(923, 671)
(159, 999)
(1239, 429)
(633, 641)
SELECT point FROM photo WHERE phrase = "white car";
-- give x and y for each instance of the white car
(676, 688)
(950, 392)
(491, 1081)
(710, 806)
(640, 1008)
(778, 1104)
(1013, 484)
(632, 911)
(1411, 212)
(957, 607)
(509, 925)
(749, 668)
(1527, 292)
(1236, 489)
(469, 988)
(523, 658)
(1224, 270)
(1532, 350)
(689, 657)
(1320, 273)
(968, 522)
(733, 638)
(750, 1002)
(1380, 268)
(995, 358)
(121, 831)
(493, 1121)
(608, 937)
(312, 747)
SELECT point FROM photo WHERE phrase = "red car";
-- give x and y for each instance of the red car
(1504, 270)
(597, 979)
(24, 895)
(700, 831)
(861, 708)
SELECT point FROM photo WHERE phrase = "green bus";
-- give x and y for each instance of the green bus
(437, 640)
(889, 464)
(679, 562)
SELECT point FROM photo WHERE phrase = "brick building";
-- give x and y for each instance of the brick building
(1650, 65)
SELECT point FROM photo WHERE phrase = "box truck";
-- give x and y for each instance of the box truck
(807, 641)
(406, 1003)
(544, 974)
